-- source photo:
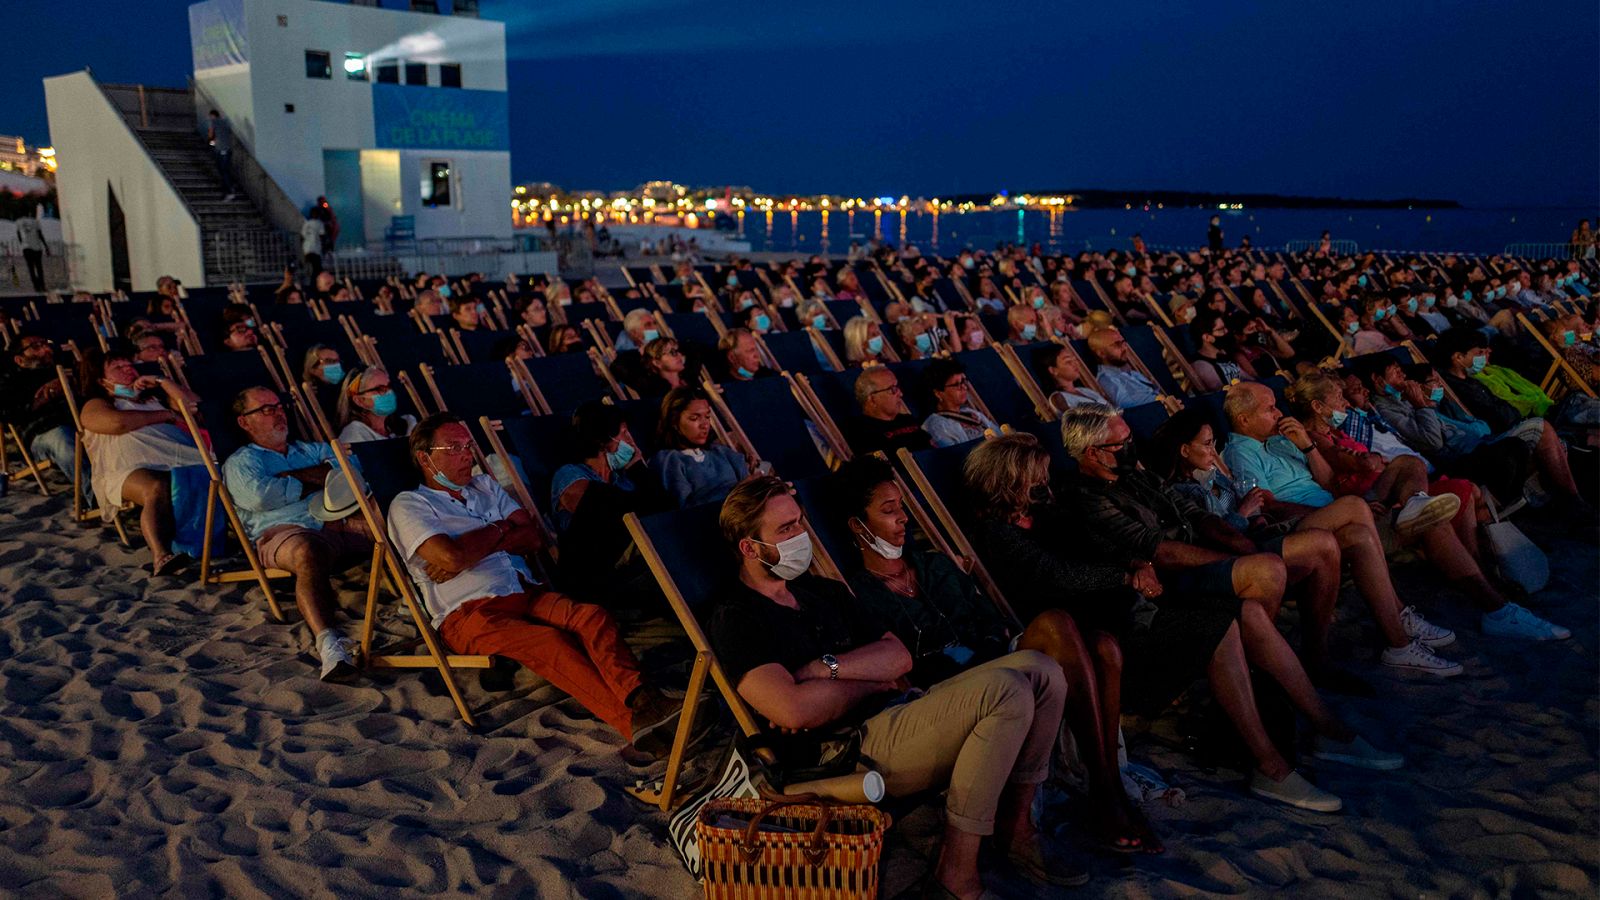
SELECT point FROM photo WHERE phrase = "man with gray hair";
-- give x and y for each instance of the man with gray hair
(885, 422)
(1135, 519)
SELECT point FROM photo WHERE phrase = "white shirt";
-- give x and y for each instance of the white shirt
(417, 515)
(311, 232)
(358, 432)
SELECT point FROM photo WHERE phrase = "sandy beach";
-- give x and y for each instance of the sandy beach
(158, 740)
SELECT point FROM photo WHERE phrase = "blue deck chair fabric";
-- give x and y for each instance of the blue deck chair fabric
(942, 466)
(794, 351)
(300, 336)
(1143, 342)
(995, 384)
(775, 423)
(1049, 435)
(641, 417)
(387, 469)
(674, 296)
(406, 353)
(842, 310)
(691, 548)
(1144, 420)
(945, 289)
(995, 324)
(221, 376)
(479, 389)
(577, 312)
(692, 328)
(480, 343)
(541, 445)
(567, 381)
(826, 514)
(629, 304)
(1087, 293)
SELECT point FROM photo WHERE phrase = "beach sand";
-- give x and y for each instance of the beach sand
(158, 740)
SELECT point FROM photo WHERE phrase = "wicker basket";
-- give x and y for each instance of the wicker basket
(826, 852)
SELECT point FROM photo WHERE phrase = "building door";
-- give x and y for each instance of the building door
(341, 182)
(121, 273)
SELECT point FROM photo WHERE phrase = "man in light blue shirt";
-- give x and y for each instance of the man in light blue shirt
(1124, 384)
(276, 487)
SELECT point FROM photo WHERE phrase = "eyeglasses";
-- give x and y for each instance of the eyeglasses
(893, 388)
(1113, 447)
(273, 408)
(958, 383)
(450, 448)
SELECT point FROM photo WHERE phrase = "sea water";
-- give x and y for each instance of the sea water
(1072, 231)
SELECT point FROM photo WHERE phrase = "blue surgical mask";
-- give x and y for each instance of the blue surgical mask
(744, 373)
(444, 291)
(1568, 338)
(1436, 394)
(1130, 271)
(333, 373)
(1038, 303)
(1478, 364)
(651, 334)
(733, 279)
(1029, 330)
(1467, 296)
(875, 345)
(1391, 390)
(925, 343)
(385, 404)
(1379, 313)
(819, 322)
(483, 310)
(619, 458)
(1411, 305)
(968, 262)
(1353, 327)
(250, 323)
(1337, 417)
(763, 321)
(125, 391)
(1428, 301)
(746, 303)
(1362, 281)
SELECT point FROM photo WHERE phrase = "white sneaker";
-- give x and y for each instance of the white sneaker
(337, 663)
(1296, 791)
(1429, 634)
(1356, 753)
(1422, 512)
(1515, 621)
(1417, 658)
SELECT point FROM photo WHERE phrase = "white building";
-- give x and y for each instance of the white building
(398, 118)
(386, 112)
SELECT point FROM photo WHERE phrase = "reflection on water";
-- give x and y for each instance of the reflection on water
(1466, 230)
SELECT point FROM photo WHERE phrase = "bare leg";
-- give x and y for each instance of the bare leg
(1444, 550)
(1260, 578)
(1551, 459)
(1403, 477)
(957, 868)
(152, 492)
(1350, 520)
(1267, 649)
(1229, 673)
(309, 559)
(1093, 711)
(1312, 560)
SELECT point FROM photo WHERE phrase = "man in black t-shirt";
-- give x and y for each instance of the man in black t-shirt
(885, 423)
(803, 655)
(31, 401)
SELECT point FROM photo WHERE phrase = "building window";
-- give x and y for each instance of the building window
(449, 74)
(355, 67)
(318, 64)
(389, 71)
(435, 184)
(417, 73)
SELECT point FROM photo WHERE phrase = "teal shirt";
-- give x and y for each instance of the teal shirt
(265, 497)
(1277, 465)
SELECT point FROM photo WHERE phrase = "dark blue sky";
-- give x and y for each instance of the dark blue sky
(1488, 103)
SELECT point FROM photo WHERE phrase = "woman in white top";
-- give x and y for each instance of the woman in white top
(134, 439)
(955, 420)
(367, 404)
(1061, 371)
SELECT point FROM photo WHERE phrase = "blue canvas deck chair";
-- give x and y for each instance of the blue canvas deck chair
(385, 470)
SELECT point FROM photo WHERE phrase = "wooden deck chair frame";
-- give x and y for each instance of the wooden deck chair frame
(1558, 363)
(519, 488)
(1186, 371)
(826, 349)
(386, 557)
(31, 468)
(79, 455)
(525, 331)
(812, 404)
(255, 571)
(957, 537)
(705, 663)
(1025, 380)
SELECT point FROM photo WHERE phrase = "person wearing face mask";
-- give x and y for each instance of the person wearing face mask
(463, 540)
(32, 402)
(954, 419)
(270, 479)
(740, 356)
(239, 329)
(885, 422)
(805, 655)
(918, 340)
(756, 320)
(607, 479)
(1212, 345)
(863, 342)
(565, 339)
(694, 468)
(938, 613)
(1564, 332)
(321, 369)
(970, 334)
(367, 408)
(1022, 322)
(1043, 556)
(469, 313)
(133, 436)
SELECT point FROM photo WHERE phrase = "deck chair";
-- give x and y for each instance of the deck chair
(772, 421)
(223, 443)
(567, 380)
(31, 468)
(793, 351)
(385, 471)
(1558, 363)
(478, 345)
(79, 456)
(539, 444)
(936, 475)
(684, 551)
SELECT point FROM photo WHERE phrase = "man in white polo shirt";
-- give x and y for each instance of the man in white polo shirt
(463, 538)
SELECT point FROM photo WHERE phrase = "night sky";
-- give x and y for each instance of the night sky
(1492, 104)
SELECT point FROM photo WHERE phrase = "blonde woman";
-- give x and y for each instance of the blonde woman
(863, 342)
(367, 404)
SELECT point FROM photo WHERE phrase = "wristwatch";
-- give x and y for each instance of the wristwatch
(832, 662)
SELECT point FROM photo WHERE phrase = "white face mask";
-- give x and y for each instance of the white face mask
(878, 545)
(794, 556)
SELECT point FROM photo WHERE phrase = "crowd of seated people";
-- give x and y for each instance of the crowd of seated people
(1152, 562)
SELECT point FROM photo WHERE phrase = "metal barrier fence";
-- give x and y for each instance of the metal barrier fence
(1561, 250)
(1340, 248)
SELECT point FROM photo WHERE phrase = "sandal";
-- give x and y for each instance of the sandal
(171, 564)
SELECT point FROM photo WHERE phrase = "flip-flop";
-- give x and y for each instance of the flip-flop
(172, 565)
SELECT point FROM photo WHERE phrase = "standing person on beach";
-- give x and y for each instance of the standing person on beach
(270, 479)
(463, 540)
(1214, 234)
